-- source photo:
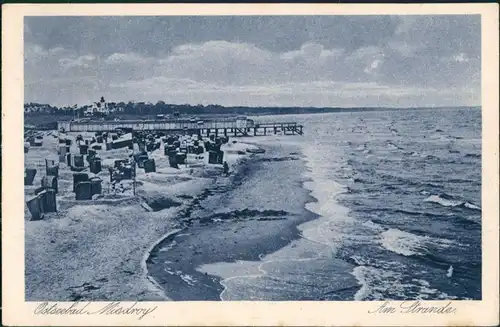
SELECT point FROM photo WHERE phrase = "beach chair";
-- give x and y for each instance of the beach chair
(180, 158)
(51, 168)
(172, 159)
(95, 165)
(78, 161)
(212, 157)
(35, 208)
(95, 186)
(29, 176)
(83, 191)
(48, 200)
(79, 178)
(141, 159)
(84, 149)
(149, 166)
(50, 182)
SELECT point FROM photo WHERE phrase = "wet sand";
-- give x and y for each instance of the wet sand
(253, 213)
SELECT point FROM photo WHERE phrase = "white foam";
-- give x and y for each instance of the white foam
(450, 203)
(403, 243)
(372, 225)
(360, 274)
(320, 237)
(328, 229)
(449, 272)
(443, 202)
(472, 206)
(386, 284)
(408, 244)
(188, 279)
(392, 146)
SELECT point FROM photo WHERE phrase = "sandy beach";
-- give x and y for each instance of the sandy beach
(96, 249)
(255, 215)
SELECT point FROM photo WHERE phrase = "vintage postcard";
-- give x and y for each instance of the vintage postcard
(250, 164)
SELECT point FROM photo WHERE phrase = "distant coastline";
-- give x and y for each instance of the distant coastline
(48, 117)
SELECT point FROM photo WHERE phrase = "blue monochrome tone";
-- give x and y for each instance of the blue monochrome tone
(284, 158)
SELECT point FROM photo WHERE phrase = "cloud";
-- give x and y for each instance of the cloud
(404, 48)
(313, 61)
(461, 57)
(318, 93)
(126, 58)
(85, 61)
(221, 61)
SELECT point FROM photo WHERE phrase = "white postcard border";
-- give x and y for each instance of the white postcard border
(18, 312)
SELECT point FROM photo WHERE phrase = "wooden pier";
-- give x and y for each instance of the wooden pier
(240, 126)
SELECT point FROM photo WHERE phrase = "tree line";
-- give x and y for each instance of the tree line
(143, 108)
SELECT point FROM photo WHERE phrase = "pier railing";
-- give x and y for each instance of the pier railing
(225, 126)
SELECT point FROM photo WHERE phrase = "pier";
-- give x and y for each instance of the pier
(240, 126)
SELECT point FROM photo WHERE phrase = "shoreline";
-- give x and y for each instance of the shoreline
(175, 278)
(263, 271)
(155, 287)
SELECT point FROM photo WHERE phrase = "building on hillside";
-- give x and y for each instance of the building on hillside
(101, 107)
(88, 111)
(97, 108)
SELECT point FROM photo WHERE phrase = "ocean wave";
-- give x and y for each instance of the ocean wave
(431, 157)
(385, 284)
(409, 244)
(372, 225)
(415, 213)
(361, 180)
(458, 219)
(461, 266)
(431, 185)
(393, 146)
(456, 181)
(389, 177)
(360, 147)
(471, 206)
(442, 200)
(403, 243)
(404, 212)
(449, 201)
(472, 155)
(400, 180)
(467, 222)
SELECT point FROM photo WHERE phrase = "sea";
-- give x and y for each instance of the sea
(398, 199)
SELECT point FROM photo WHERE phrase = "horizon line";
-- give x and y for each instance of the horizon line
(280, 107)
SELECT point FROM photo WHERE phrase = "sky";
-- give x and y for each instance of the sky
(307, 61)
